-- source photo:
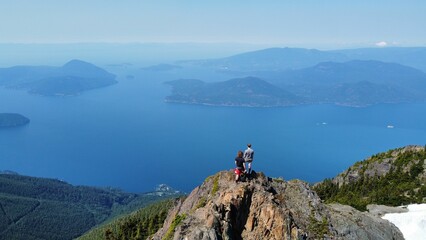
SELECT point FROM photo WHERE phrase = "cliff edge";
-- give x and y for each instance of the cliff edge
(266, 208)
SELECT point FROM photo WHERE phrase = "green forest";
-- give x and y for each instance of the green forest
(40, 208)
(403, 184)
(136, 226)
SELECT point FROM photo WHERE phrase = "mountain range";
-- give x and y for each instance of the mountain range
(72, 78)
(355, 83)
(410, 56)
(271, 59)
(281, 59)
(351, 83)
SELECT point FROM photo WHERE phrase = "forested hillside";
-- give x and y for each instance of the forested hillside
(391, 178)
(138, 225)
(40, 208)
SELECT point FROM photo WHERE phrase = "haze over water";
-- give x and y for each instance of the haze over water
(126, 136)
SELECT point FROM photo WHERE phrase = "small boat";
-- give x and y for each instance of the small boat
(390, 126)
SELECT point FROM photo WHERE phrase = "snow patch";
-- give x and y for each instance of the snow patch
(381, 44)
(412, 223)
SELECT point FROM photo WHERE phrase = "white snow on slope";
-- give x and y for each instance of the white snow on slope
(412, 223)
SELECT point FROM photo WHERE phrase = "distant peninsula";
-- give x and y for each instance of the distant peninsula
(74, 77)
(12, 120)
(161, 67)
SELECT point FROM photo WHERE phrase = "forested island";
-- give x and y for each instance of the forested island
(12, 120)
(247, 92)
(72, 78)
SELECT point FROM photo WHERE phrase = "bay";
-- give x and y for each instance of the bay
(126, 136)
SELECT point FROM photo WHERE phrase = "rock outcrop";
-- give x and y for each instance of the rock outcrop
(381, 210)
(265, 208)
(381, 164)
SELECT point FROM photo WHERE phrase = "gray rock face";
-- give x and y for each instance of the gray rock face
(265, 208)
(381, 210)
(352, 224)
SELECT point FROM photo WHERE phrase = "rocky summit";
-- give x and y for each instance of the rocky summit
(266, 208)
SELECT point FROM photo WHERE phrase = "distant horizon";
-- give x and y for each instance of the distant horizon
(143, 53)
(323, 46)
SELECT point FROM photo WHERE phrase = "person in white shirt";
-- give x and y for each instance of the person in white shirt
(248, 157)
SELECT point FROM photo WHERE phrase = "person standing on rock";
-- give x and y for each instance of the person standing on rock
(239, 166)
(248, 157)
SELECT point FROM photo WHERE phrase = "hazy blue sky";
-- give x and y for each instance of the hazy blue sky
(301, 22)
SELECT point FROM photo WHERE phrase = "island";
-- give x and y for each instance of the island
(247, 92)
(73, 78)
(8, 120)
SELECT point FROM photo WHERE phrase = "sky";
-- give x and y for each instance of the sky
(292, 22)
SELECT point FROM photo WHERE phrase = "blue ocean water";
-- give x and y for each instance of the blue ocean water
(126, 136)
